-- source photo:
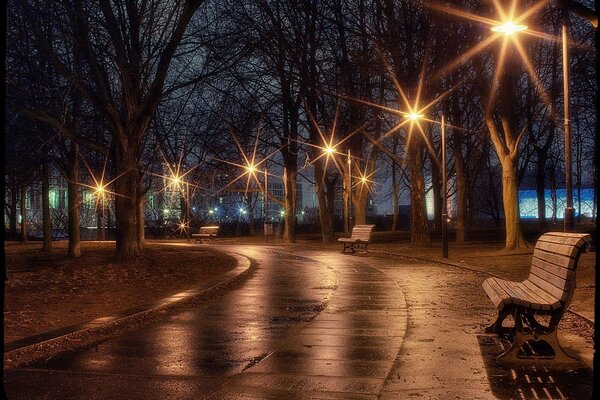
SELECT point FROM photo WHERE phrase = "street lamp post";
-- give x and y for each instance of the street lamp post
(510, 28)
(349, 185)
(267, 227)
(444, 193)
(569, 210)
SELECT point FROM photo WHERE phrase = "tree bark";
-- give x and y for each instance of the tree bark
(418, 221)
(540, 189)
(74, 247)
(325, 214)
(395, 185)
(13, 212)
(510, 200)
(100, 234)
(361, 199)
(461, 188)
(126, 204)
(291, 189)
(24, 233)
(47, 223)
(436, 187)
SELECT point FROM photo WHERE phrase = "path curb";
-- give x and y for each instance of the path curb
(100, 329)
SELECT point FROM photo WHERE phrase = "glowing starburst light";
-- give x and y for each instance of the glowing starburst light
(509, 28)
(414, 116)
(100, 190)
(329, 150)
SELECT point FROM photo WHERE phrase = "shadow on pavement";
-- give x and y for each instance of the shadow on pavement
(532, 382)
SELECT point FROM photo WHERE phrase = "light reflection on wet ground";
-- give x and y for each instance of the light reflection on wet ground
(328, 326)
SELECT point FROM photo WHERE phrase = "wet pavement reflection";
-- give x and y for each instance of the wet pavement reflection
(322, 325)
(298, 327)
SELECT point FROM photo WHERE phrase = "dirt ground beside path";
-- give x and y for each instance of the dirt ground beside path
(46, 292)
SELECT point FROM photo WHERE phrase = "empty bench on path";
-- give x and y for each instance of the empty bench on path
(361, 234)
(547, 291)
(206, 233)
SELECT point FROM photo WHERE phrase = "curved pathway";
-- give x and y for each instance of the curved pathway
(317, 326)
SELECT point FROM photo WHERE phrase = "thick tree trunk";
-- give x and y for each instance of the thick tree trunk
(100, 234)
(47, 223)
(74, 247)
(325, 214)
(510, 198)
(126, 205)
(461, 190)
(436, 187)
(291, 189)
(418, 221)
(141, 232)
(13, 212)
(395, 191)
(540, 189)
(24, 233)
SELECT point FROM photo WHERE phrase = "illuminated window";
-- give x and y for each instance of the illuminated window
(28, 200)
(53, 197)
(62, 199)
(88, 198)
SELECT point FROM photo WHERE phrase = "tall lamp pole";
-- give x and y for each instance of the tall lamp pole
(349, 183)
(444, 194)
(267, 227)
(569, 210)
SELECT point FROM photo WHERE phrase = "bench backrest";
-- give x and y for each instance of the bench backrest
(362, 232)
(209, 230)
(555, 261)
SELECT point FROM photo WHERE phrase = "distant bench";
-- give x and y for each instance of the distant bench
(547, 291)
(361, 234)
(206, 232)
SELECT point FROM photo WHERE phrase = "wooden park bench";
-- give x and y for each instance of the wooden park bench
(206, 232)
(361, 234)
(547, 291)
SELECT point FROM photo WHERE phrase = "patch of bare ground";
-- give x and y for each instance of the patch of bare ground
(50, 291)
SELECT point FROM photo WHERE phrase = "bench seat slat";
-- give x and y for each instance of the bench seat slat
(561, 261)
(552, 302)
(561, 249)
(561, 272)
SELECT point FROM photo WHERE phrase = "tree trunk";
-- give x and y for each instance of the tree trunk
(249, 201)
(540, 189)
(461, 190)
(436, 188)
(510, 199)
(418, 221)
(24, 234)
(395, 193)
(13, 212)
(141, 233)
(361, 199)
(74, 247)
(325, 214)
(47, 223)
(100, 234)
(126, 204)
(291, 189)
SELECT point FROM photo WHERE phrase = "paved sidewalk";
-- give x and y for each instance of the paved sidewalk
(314, 324)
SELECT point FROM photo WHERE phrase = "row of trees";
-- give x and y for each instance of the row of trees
(128, 86)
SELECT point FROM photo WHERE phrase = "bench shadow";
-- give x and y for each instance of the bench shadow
(531, 382)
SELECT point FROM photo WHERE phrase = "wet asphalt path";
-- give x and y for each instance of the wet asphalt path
(317, 326)
(268, 338)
